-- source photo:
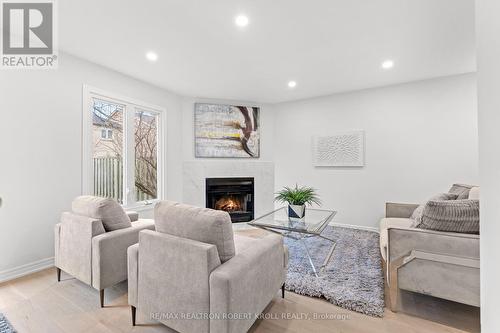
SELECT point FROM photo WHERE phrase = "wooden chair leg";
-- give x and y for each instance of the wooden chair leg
(134, 311)
(283, 291)
(101, 297)
(393, 282)
(58, 274)
(393, 295)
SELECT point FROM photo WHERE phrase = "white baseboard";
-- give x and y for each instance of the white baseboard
(352, 226)
(26, 269)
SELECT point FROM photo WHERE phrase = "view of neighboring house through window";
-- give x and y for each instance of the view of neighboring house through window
(108, 149)
(124, 150)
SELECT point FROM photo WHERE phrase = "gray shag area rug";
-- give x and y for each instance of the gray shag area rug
(353, 278)
(5, 326)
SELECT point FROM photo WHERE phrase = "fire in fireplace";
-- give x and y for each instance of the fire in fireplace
(233, 195)
(229, 204)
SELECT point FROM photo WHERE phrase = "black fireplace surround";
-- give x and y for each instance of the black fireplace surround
(233, 195)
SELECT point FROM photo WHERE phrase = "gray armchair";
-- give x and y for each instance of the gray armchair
(435, 263)
(91, 241)
(193, 267)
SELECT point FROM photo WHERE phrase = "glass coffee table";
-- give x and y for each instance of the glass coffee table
(311, 225)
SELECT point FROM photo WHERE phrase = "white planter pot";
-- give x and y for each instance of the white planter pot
(296, 211)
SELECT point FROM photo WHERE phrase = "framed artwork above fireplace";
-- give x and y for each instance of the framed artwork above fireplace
(226, 130)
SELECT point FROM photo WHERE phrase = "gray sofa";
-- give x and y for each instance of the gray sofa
(194, 275)
(435, 263)
(91, 251)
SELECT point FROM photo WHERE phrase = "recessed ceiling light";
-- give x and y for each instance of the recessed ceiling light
(241, 21)
(292, 84)
(151, 56)
(387, 64)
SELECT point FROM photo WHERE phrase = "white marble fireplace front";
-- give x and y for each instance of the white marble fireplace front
(195, 173)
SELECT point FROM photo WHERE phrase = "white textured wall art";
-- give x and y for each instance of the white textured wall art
(342, 149)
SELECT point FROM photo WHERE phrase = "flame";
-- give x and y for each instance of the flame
(229, 204)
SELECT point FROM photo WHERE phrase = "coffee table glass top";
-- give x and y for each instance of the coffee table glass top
(314, 221)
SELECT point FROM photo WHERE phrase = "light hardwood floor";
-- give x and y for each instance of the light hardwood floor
(37, 303)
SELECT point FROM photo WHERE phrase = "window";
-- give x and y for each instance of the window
(146, 154)
(107, 134)
(122, 148)
(107, 152)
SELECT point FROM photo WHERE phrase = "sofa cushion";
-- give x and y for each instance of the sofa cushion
(451, 216)
(474, 193)
(417, 213)
(461, 190)
(132, 215)
(107, 210)
(385, 224)
(241, 243)
(200, 224)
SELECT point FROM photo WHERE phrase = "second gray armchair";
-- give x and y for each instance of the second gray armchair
(442, 264)
(193, 275)
(91, 241)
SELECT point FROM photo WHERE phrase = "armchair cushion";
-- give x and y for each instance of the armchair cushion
(385, 224)
(474, 193)
(132, 215)
(199, 224)
(107, 210)
(241, 242)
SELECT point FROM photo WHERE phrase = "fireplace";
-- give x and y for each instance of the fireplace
(233, 195)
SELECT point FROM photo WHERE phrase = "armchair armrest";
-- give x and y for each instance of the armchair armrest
(109, 254)
(399, 210)
(133, 273)
(174, 279)
(73, 244)
(247, 283)
(403, 240)
(57, 241)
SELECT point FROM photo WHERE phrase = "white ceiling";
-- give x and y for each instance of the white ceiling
(326, 46)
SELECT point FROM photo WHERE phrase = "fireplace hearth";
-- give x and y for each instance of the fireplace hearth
(233, 195)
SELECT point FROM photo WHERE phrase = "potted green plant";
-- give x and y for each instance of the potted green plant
(297, 198)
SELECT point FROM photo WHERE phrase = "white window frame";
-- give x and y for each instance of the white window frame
(131, 106)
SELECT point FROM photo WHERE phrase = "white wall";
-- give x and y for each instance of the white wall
(420, 138)
(40, 149)
(488, 57)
